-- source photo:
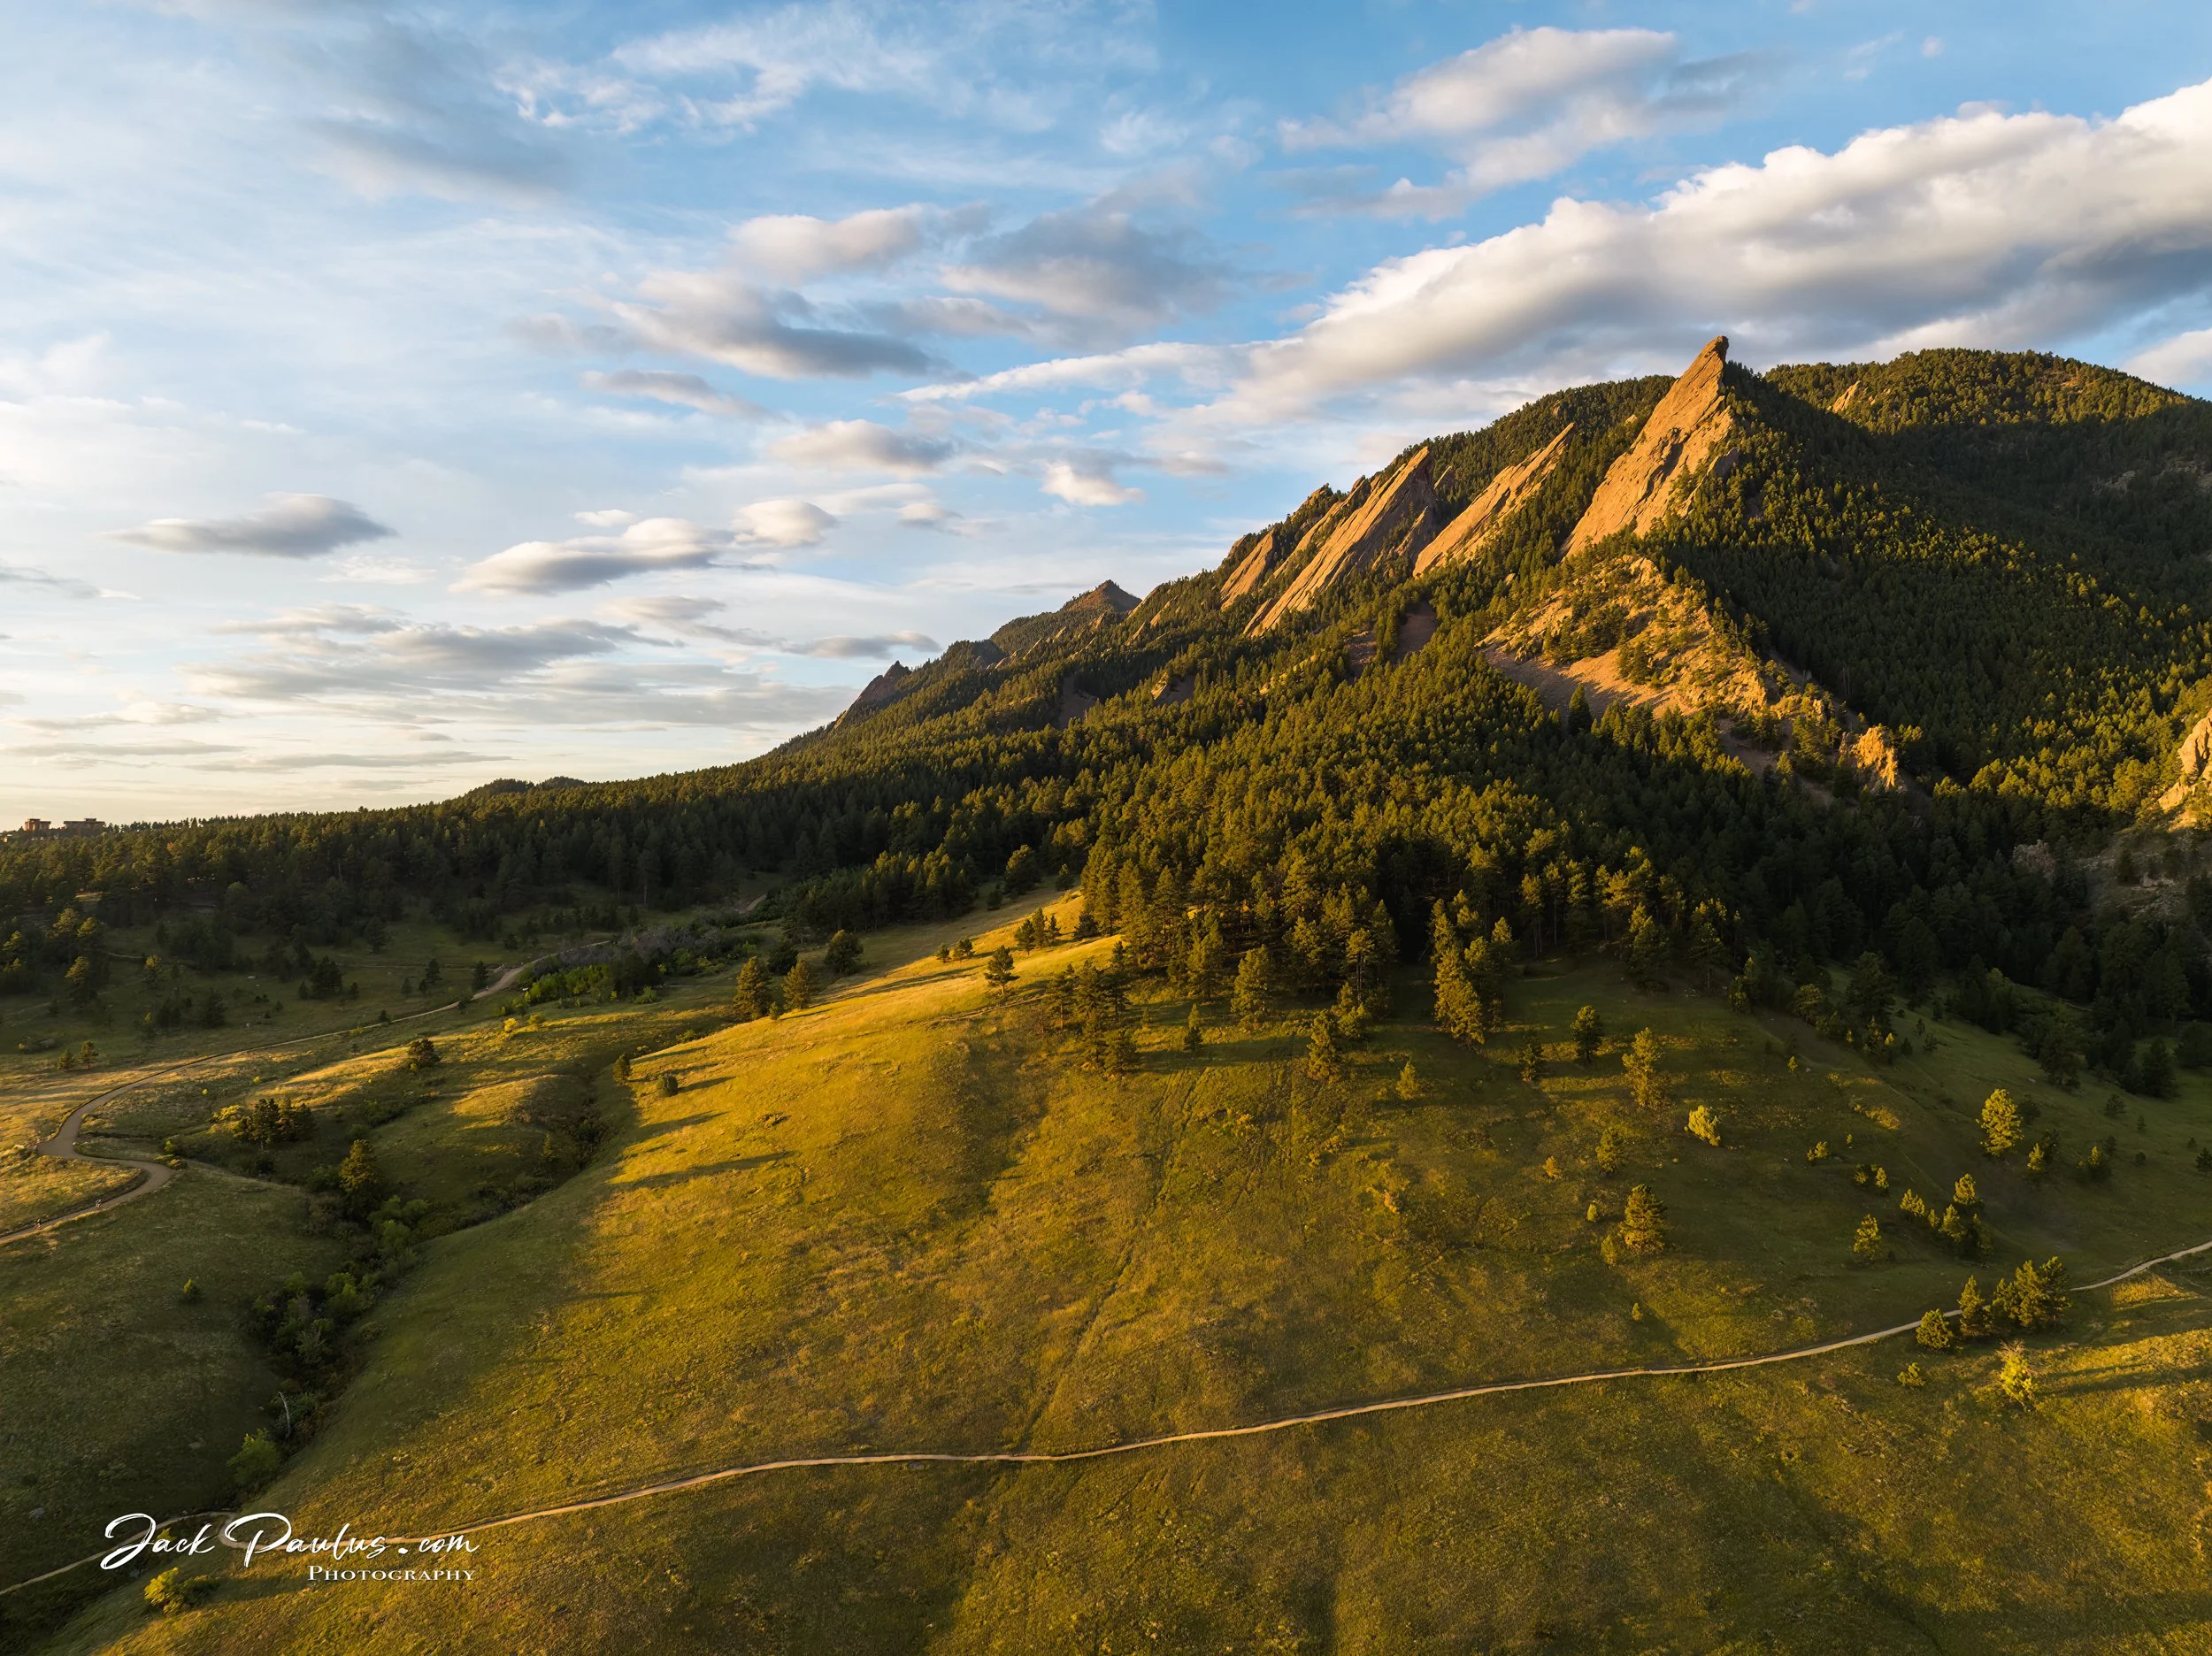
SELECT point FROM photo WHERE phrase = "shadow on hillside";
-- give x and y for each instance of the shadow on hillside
(705, 1169)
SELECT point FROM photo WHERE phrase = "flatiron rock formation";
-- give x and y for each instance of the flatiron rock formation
(1507, 493)
(1375, 521)
(1680, 436)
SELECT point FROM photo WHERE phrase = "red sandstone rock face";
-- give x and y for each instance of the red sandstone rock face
(1488, 512)
(1641, 488)
(1395, 516)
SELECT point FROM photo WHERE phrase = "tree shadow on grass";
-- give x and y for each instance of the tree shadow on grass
(705, 1169)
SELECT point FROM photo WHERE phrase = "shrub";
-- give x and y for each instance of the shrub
(1706, 1125)
(422, 1053)
(2015, 1378)
(1935, 1331)
(171, 1592)
(670, 1083)
(256, 1461)
(843, 953)
(1408, 1091)
(1866, 1242)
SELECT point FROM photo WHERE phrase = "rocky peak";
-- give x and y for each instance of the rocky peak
(1641, 488)
(880, 691)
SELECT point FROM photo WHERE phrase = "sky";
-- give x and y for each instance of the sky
(396, 397)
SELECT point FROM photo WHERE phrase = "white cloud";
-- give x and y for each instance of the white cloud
(685, 390)
(1526, 104)
(1087, 480)
(783, 523)
(795, 247)
(1984, 229)
(2183, 360)
(862, 445)
(289, 526)
(655, 544)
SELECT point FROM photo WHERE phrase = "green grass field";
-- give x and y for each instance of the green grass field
(909, 1219)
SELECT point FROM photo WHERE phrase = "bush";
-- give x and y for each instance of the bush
(173, 1592)
(256, 1461)
(422, 1053)
(670, 1084)
(1706, 1125)
(1935, 1331)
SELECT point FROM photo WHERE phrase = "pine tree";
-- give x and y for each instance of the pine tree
(1646, 952)
(1531, 1060)
(1409, 1086)
(843, 954)
(1610, 1145)
(1975, 1317)
(1643, 1223)
(798, 986)
(2000, 1125)
(1193, 1031)
(749, 999)
(360, 1178)
(1866, 1242)
(1323, 1061)
(1646, 1084)
(1935, 1331)
(1252, 999)
(998, 971)
(2015, 1378)
(1589, 1034)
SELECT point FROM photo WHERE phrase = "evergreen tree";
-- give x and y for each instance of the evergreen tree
(1647, 951)
(749, 999)
(2000, 1125)
(1193, 1031)
(1935, 1331)
(1589, 1034)
(1611, 1144)
(1646, 1084)
(842, 954)
(1252, 999)
(2015, 1378)
(1643, 1223)
(2035, 1297)
(1976, 1319)
(360, 1178)
(1866, 1242)
(1409, 1084)
(1531, 1060)
(799, 988)
(998, 971)
(1323, 1061)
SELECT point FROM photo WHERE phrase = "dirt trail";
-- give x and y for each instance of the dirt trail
(1018, 1457)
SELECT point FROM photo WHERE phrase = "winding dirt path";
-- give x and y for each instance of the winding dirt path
(1019, 1457)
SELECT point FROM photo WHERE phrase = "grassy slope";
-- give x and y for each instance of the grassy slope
(893, 1222)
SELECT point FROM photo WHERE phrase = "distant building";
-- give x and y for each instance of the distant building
(37, 826)
(84, 826)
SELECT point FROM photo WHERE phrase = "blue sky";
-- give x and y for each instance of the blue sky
(395, 397)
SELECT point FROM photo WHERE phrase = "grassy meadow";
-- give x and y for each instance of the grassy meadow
(910, 1218)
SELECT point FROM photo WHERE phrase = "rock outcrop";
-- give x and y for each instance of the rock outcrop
(1487, 513)
(1256, 566)
(1377, 520)
(1642, 488)
(880, 692)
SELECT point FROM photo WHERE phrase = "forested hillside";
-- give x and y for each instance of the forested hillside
(1988, 570)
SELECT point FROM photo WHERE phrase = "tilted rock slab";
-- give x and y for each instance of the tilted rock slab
(1641, 488)
(1394, 516)
(1487, 513)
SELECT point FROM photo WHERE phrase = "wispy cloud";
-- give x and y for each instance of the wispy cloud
(288, 526)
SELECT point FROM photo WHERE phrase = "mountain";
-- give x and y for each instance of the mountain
(1694, 871)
